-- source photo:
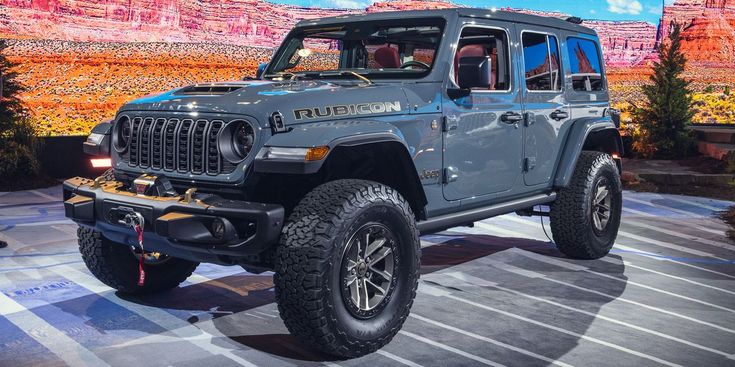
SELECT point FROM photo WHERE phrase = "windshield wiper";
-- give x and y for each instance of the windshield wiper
(313, 75)
(306, 75)
(348, 72)
(279, 75)
(292, 76)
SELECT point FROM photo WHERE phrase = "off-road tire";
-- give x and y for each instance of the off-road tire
(571, 213)
(309, 257)
(117, 266)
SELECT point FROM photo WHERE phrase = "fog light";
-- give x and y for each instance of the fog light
(218, 229)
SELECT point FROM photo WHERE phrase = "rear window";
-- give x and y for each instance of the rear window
(541, 62)
(584, 60)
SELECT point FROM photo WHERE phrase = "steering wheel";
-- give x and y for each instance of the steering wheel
(420, 64)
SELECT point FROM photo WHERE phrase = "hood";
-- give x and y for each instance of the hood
(298, 101)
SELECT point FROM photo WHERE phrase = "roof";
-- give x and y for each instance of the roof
(447, 13)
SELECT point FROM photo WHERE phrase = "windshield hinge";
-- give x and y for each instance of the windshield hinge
(449, 123)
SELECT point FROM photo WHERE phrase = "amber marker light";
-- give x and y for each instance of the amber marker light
(316, 153)
(616, 156)
(101, 162)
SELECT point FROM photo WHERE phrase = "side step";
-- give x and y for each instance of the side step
(444, 222)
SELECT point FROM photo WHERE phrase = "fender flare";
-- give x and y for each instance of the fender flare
(356, 135)
(580, 131)
(102, 146)
(356, 132)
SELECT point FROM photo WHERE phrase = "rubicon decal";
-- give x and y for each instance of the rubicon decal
(347, 110)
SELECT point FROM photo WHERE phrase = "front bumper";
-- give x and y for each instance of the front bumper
(203, 227)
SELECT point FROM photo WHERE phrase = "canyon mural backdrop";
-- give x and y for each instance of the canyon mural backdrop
(81, 59)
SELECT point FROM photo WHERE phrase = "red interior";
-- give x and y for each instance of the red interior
(477, 50)
(387, 57)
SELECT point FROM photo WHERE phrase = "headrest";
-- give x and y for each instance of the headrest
(387, 57)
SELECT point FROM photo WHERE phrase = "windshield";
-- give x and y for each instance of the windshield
(385, 49)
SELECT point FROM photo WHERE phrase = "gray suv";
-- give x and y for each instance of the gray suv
(361, 134)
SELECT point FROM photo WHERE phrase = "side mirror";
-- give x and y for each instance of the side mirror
(457, 93)
(474, 72)
(261, 69)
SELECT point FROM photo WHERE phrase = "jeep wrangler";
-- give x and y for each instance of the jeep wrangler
(361, 134)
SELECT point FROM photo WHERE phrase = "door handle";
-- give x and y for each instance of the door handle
(559, 115)
(511, 117)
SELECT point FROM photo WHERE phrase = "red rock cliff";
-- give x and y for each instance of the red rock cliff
(261, 23)
(251, 22)
(624, 43)
(708, 29)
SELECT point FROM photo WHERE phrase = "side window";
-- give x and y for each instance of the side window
(486, 42)
(555, 61)
(584, 60)
(541, 62)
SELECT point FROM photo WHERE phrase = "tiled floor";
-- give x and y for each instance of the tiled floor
(496, 294)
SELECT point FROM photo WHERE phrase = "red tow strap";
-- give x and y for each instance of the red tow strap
(141, 271)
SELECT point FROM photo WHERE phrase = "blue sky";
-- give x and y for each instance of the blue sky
(646, 10)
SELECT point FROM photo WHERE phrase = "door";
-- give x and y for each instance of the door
(483, 131)
(544, 107)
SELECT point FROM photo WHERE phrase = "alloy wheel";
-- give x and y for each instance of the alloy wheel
(601, 205)
(368, 270)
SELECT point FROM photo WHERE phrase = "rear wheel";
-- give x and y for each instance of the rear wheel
(347, 267)
(116, 265)
(586, 215)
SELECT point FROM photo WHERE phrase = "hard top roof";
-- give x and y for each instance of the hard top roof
(446, 13)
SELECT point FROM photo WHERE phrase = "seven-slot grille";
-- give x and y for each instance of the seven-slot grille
(181, 145)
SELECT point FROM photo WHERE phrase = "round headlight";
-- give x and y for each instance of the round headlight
(121, 134)
(243, 139)
(237, 140)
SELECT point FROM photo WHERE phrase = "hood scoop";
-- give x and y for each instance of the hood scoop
(208, 90)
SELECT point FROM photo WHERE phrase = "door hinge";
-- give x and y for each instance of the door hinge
(529, 163)
(451, 174)
(449, 123)
(529, 118)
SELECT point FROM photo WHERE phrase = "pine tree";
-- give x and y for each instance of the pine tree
(665, 118)
(18, 144)
(11, 108)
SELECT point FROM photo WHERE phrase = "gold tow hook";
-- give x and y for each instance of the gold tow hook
(98, 182)
(189, 195)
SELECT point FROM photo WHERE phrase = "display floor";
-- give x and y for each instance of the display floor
(496, 294)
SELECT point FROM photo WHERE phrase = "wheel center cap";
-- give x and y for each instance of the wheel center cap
(361, 269)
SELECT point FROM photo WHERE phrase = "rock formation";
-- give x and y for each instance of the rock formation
(624, 43)
(708, 24)
(708, 29)
(244, 22)
(409, 5)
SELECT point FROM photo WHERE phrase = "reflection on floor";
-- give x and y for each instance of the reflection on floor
(496, 294)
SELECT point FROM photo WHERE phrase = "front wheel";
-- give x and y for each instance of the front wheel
(586, 214)
(116, 265)
(347, 267)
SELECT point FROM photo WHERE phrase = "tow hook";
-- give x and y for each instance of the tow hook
(136, 221)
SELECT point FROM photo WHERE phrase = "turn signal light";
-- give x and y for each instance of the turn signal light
(101, 162)
(316, 153)
(616, 156)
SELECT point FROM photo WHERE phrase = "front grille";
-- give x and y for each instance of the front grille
(181, 145)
